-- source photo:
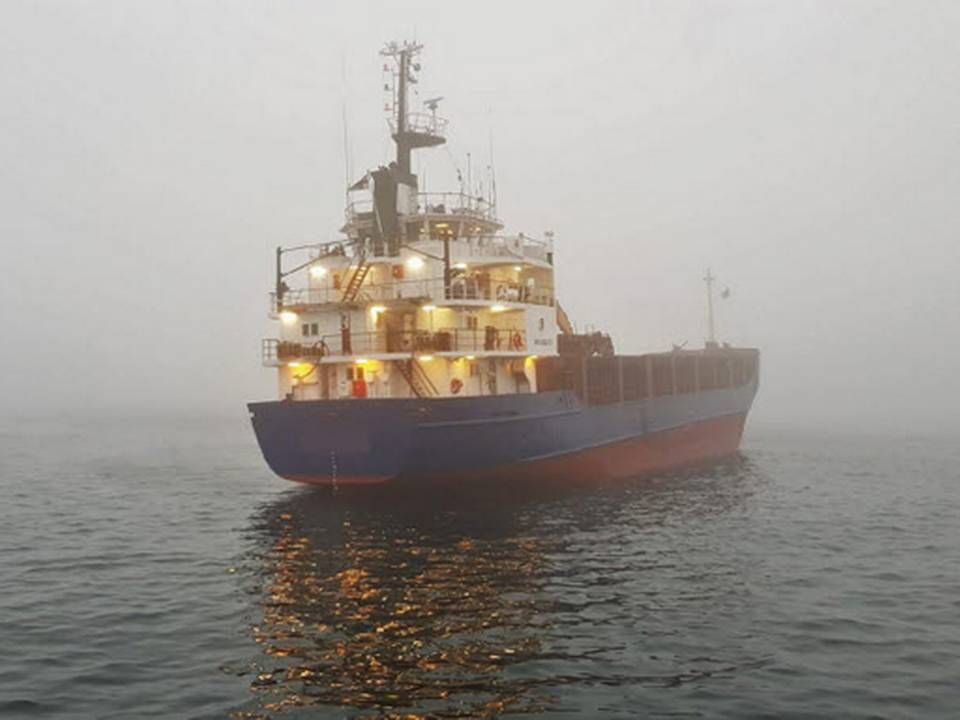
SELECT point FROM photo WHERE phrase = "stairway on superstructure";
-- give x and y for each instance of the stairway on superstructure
(356, 280)
(417, 379)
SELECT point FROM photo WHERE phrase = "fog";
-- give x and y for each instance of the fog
(153, 154)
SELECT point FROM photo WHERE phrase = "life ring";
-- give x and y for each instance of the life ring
(456, 385)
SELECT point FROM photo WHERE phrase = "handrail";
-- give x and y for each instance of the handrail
(425, 341)
(273, 350)
(450, 202)
(435, 203)
(460, 288)
(412, 342)
(393, 290)
(424, 123)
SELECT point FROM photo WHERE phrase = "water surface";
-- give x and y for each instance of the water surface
(157, 569)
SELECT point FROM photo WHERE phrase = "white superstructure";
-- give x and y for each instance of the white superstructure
(424, 295)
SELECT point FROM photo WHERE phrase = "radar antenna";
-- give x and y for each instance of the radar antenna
(411, 130)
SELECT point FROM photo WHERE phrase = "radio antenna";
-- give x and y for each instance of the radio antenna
(493, 175)
(348, 171)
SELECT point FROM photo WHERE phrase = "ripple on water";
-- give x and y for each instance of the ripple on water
(159, 571)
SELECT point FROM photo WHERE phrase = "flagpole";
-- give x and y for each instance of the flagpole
(711, 330)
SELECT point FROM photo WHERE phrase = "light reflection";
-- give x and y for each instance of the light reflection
(386, 609)
(396, 619)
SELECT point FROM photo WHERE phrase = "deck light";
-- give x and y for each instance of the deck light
(288, 317)
(377, 309)
(294, 365)
(498, 308)
(414, 263)
(429, 308)
(425, 358)
(518, 268)
(471, 357)
(317, 271)
(361, 361)
(460, 266)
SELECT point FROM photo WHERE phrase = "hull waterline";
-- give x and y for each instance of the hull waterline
(545, 438)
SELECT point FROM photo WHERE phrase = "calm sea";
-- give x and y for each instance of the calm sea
(157, 569)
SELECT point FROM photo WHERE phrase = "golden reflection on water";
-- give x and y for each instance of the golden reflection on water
(402, 621)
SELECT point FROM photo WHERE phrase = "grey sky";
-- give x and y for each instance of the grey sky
(152, 154)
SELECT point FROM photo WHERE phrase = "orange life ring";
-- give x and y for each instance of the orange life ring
(456, 385)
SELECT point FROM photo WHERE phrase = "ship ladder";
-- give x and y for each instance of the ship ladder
(417, 379)
(356, 280)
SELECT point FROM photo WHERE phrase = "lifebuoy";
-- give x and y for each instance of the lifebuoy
(456, 385)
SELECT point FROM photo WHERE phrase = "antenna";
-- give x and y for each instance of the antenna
(493, 176)
(347, 169)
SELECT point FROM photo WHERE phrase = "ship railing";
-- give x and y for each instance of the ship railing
(359, 210)
(472, 288)
(420, 288)
(413, 342)
(423, 124)
(332, 248)
(489, 339)
(433, 289)
(269, 351)
(515, 247)
(455, 204)
(274, 351)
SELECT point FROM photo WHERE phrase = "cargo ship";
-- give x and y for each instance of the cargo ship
(426, 345)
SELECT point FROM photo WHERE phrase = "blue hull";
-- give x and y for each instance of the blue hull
(548, 434)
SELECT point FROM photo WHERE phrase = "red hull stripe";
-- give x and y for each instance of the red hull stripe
(655, 452)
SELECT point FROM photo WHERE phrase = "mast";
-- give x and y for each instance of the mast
(403, 146)
(711, 330)
(410, 131)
